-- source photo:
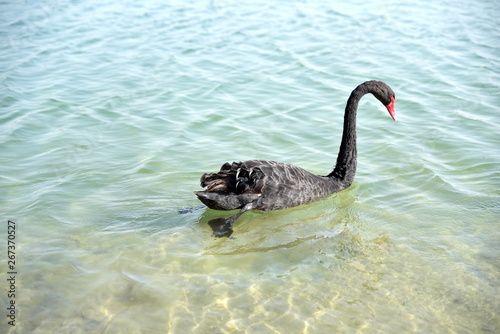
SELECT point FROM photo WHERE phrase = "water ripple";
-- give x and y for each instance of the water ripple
(111, 112)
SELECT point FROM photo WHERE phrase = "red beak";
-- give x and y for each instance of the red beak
(390, 109)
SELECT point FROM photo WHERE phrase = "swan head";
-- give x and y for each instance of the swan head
(384, 94)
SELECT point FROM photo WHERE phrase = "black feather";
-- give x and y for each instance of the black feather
(269, 185)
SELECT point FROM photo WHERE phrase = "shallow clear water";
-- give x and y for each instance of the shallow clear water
(110, 112)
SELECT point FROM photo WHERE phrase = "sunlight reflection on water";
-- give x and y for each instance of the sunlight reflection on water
(111, 113)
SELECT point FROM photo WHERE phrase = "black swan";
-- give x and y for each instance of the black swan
(269, 185)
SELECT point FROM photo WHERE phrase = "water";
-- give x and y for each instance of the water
(110, 112)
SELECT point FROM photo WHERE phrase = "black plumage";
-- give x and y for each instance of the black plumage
(269, 185)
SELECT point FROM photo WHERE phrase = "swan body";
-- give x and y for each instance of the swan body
(269, 185)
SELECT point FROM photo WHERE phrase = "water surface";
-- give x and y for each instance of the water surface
(110, 113)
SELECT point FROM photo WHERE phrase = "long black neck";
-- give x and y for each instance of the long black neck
(345, 167)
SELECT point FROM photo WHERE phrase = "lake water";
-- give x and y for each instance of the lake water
(111, 111)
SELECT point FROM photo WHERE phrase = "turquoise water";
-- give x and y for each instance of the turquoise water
(110, 113)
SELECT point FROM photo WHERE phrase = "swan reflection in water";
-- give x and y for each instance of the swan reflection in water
(221, 227)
